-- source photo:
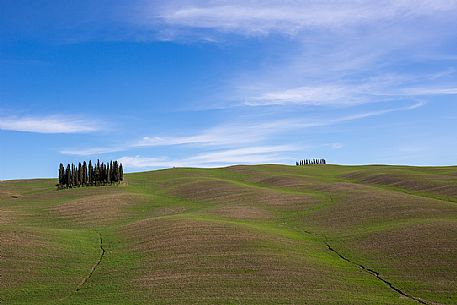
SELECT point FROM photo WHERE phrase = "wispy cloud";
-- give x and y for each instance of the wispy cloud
(92, 151)
(323, 122)
(257, 154)
(322, 95)
(253, 17)
(369, 114)
(224, 134)
(349, 94)
(144, 162)
(48, 124)
(423, 91)
(245, 155)
(230, 134)
(248, 133)
(238, 135)
(333, 50)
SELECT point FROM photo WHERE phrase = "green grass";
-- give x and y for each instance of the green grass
(236, 235)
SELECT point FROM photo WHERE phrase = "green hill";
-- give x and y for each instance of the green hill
(266, 234)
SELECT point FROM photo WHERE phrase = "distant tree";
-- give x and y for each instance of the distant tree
(102, 173)
(75, 175)
(108, 174)
(105, 173)
(121, 172)
(84, 173)
(91, 173)
(110, 171)
(68, 176)
(116, 171)
(78, 175)
(61, 175)
(97, 172)
(72, 174)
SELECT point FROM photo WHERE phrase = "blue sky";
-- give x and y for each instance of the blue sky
(157, 84)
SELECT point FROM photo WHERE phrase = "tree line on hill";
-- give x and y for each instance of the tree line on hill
(88, 175)
(310, 162)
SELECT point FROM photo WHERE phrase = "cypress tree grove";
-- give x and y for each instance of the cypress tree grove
(310, 162)
(86, 175)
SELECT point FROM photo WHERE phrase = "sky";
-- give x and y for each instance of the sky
(157, 84)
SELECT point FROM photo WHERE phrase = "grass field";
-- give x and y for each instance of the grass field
(266, 234)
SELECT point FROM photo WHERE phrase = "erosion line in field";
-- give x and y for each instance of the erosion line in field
(378, 276)
(373, 272)
(95, 266)
(84, 281)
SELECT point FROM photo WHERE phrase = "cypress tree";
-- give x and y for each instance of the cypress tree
(72, 174)
(111, 171)
(108, 176)
(121, 172)
(84, 174)
(105, 171)
(116, 171)
(75, 175)
(68, 176)
(97, 172)
(91, 173)
(78, 175)
(102, 173)
(61, 175)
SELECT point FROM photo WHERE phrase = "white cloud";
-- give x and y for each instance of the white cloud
(251, 17)
(225, 134)
(336, 145)
(144, 162)
(257, 154)
(331, 51)
(91, 151)
(442, 74)
(48, 124)
(323, 95)
(234, 134)
(245, 155)
(238, 135)
(423, 91)
(375, 113)
(348, 94)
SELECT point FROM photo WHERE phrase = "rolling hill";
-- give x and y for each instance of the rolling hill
(264, 234)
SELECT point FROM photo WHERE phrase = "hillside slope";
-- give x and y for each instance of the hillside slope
(266, 234)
